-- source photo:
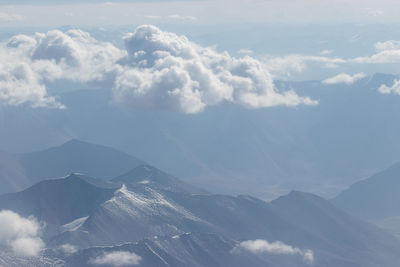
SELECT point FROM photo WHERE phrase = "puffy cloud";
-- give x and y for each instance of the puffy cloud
(28, 62)
(166, 71)
(260, 246)
(344, 78)
(117, 258)
(158, 69)
(20, 234)
(394, 89)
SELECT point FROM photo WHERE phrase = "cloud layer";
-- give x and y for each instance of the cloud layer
(157, 70)
(20, 234)
(117, 258)
(260, 246)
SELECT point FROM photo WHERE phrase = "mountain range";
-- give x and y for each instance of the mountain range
(155, 219)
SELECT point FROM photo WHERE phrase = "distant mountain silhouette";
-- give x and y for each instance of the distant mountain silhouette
(58, 201)
(376, 197)
(19, 171)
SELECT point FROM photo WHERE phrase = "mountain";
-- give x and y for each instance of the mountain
(18, 171)
(376, 197)
(165, 223)
(149, 175)
(58, 201)
(302, 220)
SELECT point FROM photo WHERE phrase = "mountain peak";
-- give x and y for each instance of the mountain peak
(145, 174)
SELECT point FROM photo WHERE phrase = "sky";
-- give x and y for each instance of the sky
(57, 13)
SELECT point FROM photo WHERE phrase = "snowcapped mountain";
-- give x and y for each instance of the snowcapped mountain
(157, 220)
(149, 175)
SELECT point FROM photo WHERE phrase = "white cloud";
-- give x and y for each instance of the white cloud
(167, 71)
(245, 51)
(68, 249)
(260, 246)
(117, 258)
(20, 234)
(394, 89)
(283, 67)
(388, 45)
(387, 52)
(344, 78)
(326, 52)
(10, 17)
(28, 62)
(158, 69)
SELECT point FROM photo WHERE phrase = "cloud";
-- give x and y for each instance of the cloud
(20, 234)
(326, 52)
(117, 258)
(387, 52)
(29, 62)
(68, 249)
(388, 45)
(283, 67)
(344, 78)
(394, 89)
(245, 51)
(260, 246)
(10, 17)
(167, 71)
(157, 70)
